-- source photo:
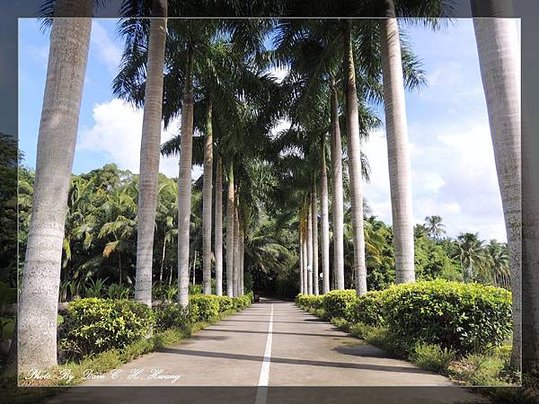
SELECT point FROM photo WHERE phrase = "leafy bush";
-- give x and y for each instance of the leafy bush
(95, 325)
(171, 316)
(203, 307)
(462, 317)
(340, 303)
(310, 301)
(432, 357)
(368, 309)
(241, 302)
(225, 303)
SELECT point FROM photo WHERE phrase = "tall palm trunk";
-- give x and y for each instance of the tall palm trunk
(230, 233)
(301, 277)
(150, 153)
(219, 228)
(530, 248)
(207, 203)
(354, 161)
(337, 196)
(499, 61)
(397, 151)
(324, 219)
(242, 260)
(163, 252)
(315, 239)
(236, 249)
(309, 248)
(305, 260)
(184, 183)
(38, 304)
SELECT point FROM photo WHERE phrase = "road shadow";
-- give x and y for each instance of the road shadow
(300, 362)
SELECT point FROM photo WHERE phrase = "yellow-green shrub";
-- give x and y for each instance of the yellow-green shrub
(96, 325)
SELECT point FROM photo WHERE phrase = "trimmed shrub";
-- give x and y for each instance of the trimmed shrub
(225, 303)
(203, 308)
(96, 325)
(310, 301)
(340, 303)
(369, 308)
(243, 301)
(463, 317)
(171, 316)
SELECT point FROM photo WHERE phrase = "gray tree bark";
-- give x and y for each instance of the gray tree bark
(499, 60)
(314, 218)
(207, 203)
(397, 151)
(338, 194)
(230, 234)
(150, 153)
(324, 220)
(219, 228)
(38, 301)
(354, 162)
(184, 184)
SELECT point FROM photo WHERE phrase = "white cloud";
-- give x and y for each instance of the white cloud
(117, 131)
(453, 175)
(109, 53)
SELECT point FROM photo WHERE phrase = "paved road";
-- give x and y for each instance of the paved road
(270, 344)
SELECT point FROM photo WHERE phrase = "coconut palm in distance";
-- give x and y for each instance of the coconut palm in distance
(499, 61)
(38, 304)
(150, 153)
(434, 227)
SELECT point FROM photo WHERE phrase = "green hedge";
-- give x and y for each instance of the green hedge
(340, 304)
(310, 301)
(369, 309)
(466, 317)
(203, 307)
(171, 316)
(96, 325)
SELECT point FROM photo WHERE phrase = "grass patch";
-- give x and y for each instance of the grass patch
(432, 357)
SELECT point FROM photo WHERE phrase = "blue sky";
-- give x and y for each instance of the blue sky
(453, 172)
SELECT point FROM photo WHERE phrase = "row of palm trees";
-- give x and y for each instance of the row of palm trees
(215, 66)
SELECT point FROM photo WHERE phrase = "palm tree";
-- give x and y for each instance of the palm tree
(314, 218)
(207, 202)
(469, 252)
(397, 148)
(434, 227)
(354, 162)
(38, 304)
(120, 207)
(324, 217)
(218, 229)
(150, 153)
(230, 233)
(337, 195)
(497, 46)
